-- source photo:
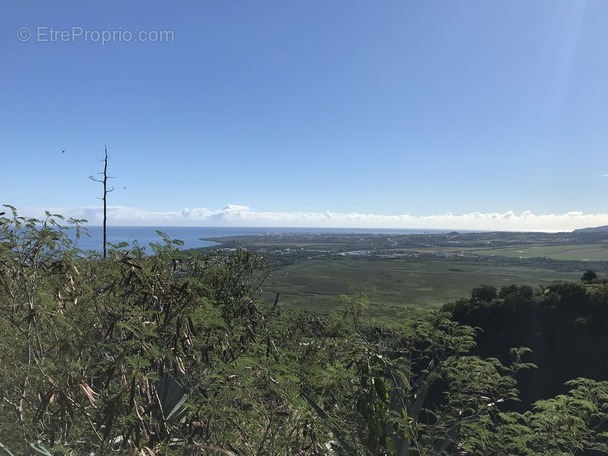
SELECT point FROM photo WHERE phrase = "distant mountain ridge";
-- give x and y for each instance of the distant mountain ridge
(595, 229)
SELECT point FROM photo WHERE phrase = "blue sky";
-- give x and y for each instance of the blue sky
(433, 114)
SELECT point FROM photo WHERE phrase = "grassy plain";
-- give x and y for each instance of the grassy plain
(315, 284)
(589, 252)
(311, 271)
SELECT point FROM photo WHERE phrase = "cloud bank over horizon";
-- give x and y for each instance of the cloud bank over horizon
(244, 216)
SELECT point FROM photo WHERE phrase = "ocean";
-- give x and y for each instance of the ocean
(195, 237)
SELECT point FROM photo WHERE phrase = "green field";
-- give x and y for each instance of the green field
(589, 252)
(315, 284)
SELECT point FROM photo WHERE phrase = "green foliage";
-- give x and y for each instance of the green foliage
(122, 353)
(568, 424)
(564, 325)
(574, 422)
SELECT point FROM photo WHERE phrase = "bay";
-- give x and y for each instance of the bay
(197, 237)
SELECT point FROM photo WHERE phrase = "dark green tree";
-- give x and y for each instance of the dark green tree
(484, 293)
(589, 276)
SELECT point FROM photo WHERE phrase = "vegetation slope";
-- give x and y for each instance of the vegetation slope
(166, 354)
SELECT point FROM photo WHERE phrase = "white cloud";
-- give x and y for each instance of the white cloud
(238, 215)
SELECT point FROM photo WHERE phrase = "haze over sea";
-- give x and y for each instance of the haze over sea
(195, 237)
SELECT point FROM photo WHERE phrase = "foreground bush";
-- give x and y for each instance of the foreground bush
(172, 354)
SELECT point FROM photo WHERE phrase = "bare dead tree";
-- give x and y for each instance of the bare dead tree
(106, 190)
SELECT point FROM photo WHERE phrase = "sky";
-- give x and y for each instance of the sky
(462, 114)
